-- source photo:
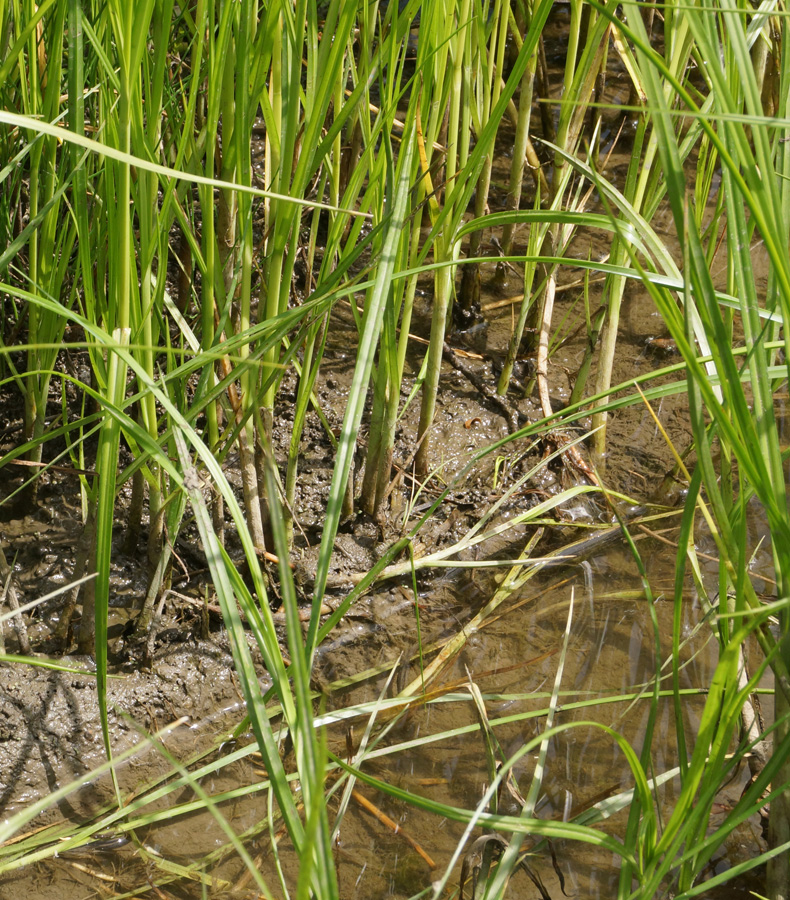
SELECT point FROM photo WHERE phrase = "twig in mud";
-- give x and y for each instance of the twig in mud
(402, 469)
(560, 289)
(65, 470)
(510, 414)
(658, 536)
(571, 455)
(94, 873)
(396, 829)
(7, 573)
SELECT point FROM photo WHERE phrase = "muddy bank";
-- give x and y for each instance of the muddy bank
(49, 722)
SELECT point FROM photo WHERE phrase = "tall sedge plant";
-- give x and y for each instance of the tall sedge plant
(393, 58)
(741, 409)
(130, 33)
(586, 50)
(521, 141)
(153, 221)
(362, 170)
(445, 58)
(483, 83)
(294, 136)
(643, 191)
(397, 205)
(38, 53)
(447, 221)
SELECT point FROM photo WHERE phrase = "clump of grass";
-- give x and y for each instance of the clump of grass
(128, 129)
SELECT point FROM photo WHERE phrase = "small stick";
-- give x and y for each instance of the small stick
(542, 366)
(66, 470)
(510, 414)
(560, 289)
(396, 829)
(88, 870)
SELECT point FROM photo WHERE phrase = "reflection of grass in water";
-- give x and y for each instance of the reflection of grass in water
(186, 369)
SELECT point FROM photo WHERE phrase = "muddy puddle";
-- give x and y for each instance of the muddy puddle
(513, 660)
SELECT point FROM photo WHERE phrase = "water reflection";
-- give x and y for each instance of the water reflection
(611, 654)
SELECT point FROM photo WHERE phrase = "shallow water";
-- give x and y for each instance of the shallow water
(610, 653)
(513, 659)
(436, 750)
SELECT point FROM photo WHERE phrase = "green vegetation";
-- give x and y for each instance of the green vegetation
(191, 193)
